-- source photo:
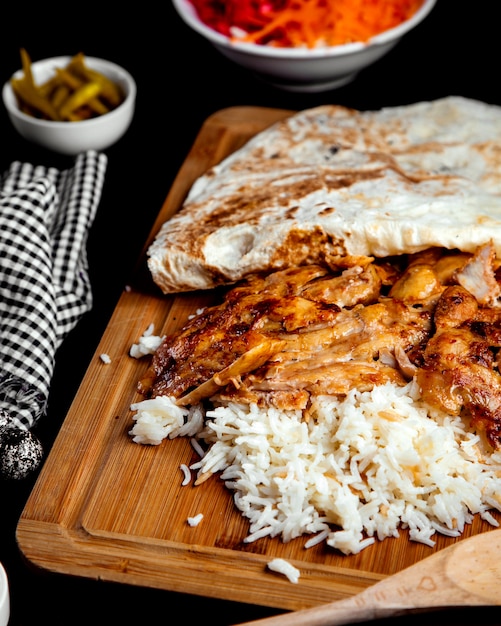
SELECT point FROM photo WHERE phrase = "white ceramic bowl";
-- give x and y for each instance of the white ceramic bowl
(4, 598)
(72, 138)
(304, 69)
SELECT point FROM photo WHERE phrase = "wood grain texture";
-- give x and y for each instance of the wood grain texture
(106, 507)
(464, 574)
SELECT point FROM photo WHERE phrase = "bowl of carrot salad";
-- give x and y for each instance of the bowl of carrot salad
(304, 45)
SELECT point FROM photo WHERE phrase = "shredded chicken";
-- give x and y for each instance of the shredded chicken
(478, 277)
(460, 369)
(281, 338)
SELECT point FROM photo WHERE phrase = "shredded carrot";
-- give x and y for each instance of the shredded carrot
(300, 23)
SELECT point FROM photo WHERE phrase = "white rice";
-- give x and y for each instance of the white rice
(284, 567)
(356, 471)
(147, 344)
(195, 520)
(186, 474)
(159, 418)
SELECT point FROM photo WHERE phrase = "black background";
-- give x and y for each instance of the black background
(181, 80)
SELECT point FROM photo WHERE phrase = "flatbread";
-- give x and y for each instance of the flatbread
(332, 181)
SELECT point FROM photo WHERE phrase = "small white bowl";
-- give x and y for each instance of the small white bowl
(304, 69)
(72, 138)
(4, 598)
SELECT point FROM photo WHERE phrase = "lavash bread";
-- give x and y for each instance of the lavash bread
(333, 181)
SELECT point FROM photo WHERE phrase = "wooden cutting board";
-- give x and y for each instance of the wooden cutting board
(105, 507)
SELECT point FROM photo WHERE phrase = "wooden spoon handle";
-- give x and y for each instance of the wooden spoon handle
(466, 573)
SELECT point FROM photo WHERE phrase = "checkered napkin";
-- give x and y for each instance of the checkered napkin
(45, 216)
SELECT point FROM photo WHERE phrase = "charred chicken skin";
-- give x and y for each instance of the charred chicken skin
(282, 338)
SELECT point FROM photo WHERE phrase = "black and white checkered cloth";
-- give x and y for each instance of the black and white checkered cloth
(45, 216)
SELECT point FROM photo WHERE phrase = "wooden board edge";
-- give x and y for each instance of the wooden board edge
(143, 564)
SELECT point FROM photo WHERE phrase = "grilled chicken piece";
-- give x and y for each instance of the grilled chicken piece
(252, 314)
(281, 338)
(417, 283)
(343, 356)
(460, 372)
(277, 339)
(253, 358)
(479, 278)
(459, 375)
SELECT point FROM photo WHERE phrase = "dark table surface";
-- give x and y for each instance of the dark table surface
(181, 80)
